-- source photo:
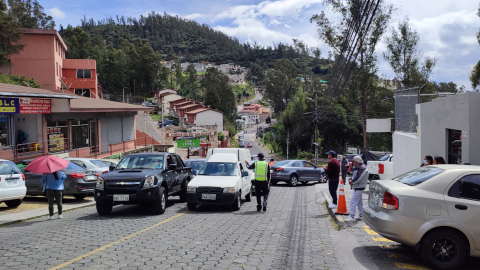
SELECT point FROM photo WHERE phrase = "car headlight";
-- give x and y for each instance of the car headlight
(229, 190)
(149, 182)
(191, 189)
(100, 183)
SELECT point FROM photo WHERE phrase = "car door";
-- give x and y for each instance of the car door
(245, 179)
(311, 172)
(299, 169)
(179, 173)
(171, 175)
(462, 199)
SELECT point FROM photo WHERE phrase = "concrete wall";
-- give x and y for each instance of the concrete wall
(210, 117)
(29, 123)
(406, 150)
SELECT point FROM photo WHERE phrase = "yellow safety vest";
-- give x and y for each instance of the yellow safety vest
(261, 170)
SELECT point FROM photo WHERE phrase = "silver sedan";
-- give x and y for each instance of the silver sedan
(435, 209)
(294, 171)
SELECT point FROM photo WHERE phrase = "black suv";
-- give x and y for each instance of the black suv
(144, 178)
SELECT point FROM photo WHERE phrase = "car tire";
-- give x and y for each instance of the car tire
(80, 196)
(104, 207)
(304, 182)
(14, 203)
(248, 198)
(237, 203)
(159, 206)
(434, 242)
(192, 206)
(183, 193)
(323, 178)
(293, 180)
(274, 183)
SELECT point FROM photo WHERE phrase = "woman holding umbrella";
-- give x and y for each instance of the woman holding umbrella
(52, 179)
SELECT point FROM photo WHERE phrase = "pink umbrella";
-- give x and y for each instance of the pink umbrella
(47, 164)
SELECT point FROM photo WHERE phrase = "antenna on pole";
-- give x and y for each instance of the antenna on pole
(65, 85)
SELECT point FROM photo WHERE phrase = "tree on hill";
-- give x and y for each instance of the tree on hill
(218, 94)
(29, 14)
(9, 35)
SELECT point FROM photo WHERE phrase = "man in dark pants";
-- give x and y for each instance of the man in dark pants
(262, 178)
(333, 172)
(344, 169)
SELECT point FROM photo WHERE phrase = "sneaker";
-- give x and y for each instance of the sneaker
(264, 208)
(359, 218)
(50, 218)
(348, 219)
(332, 205)
(259, 208)
(60, 216)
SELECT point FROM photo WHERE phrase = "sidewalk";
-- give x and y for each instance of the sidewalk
(29, 214)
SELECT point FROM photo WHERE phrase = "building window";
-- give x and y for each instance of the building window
(80, 136)
(454, 146)
(84, 73)
(57, 133)
(56, 45)
(83, 92)
(57, 68)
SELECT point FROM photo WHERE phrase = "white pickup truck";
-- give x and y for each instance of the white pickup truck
(381, 169)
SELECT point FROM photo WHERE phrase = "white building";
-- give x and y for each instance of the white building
(205, 116)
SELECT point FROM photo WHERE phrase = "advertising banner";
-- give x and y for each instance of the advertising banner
(35, 105)
(188, 143)
(9, 106)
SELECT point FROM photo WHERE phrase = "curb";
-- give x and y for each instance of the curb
(339, 220)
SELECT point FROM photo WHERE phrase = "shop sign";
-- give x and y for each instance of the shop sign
(9, 106)
(35, 105)
(180, 134)
(188, 143)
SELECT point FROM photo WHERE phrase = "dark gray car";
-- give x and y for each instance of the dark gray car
(79, 182)
(294, 171)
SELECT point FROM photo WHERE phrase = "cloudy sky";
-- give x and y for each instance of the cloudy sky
(447, 28)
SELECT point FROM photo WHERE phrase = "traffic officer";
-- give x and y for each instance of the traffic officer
(261, 182)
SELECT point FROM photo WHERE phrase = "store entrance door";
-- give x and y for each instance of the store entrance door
(4, 130)
(93, 137)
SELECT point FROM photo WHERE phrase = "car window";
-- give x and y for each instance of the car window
(8, 167)
(282, 163)
(418, 176)
(98, 163)
(308, 164)
(179, 161)
(73, 167)
(79, 163)
(385, 158)
(171, 160)
(467, 188)
(297, 164)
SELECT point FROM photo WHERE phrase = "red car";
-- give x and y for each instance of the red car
(249, 145)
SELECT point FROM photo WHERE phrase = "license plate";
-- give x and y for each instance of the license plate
(209, 196)
(121, 198)
(89, 177)
(11, 182)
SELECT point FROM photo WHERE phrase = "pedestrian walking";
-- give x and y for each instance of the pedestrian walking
(53, 185)
(438, 160)
(333, 172)
(358, 182)
(344, 169)
(427, 160)
(261, 182)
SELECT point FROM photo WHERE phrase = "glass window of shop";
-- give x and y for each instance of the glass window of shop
(80, 135)
(4, 130)
(57, 134)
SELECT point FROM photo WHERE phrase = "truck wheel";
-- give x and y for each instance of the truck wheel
(80, 196)
(237, 203)
(443, 249)
(14, 203)
(192, 206)
(248, 198)
(104, 207)
(161, 204)
(183, 193)
(293, 180)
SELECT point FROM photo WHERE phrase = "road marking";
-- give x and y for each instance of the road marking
(371, 232)
(116, 242)
(379, 239)
(411, 266)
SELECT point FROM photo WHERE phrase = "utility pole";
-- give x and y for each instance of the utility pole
(163, 124)
(288, 138)
(316, 129)
(123, 95)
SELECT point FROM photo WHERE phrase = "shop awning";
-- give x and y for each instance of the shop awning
(10, 90)
(83, 104)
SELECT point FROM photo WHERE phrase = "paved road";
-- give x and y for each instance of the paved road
(293, 234)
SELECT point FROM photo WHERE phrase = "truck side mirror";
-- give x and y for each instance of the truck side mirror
(244, 173)
(172, 167)
(111, 167)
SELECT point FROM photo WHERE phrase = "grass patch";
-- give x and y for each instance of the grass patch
(332, 220)
(156, 117)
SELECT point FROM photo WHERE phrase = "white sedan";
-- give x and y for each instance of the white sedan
(90, 164)
(435, 209)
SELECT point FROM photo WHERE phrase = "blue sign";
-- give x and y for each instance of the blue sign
(9, 106)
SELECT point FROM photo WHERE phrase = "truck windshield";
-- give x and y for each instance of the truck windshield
(219, 169)
(141, 162)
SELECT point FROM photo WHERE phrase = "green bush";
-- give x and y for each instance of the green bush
(305, 155)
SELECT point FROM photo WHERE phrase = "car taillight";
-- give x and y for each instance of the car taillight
(381, 168)
(23, 177)
(98, 174)
(278, 169)
(104, 172)
(77, 175)
(390, 202)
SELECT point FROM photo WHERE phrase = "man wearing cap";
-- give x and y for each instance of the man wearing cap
(358, 182)
(333, 172)
(262, 178)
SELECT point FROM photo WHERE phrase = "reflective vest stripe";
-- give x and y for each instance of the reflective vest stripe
(261, 170)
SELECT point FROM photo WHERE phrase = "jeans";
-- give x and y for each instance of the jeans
(333, 186)
(57, 194)
(261, 188)
(355, 202)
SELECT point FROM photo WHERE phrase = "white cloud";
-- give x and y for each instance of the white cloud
(274, 21)
(57, 13)
(287, 26)
(193, 16)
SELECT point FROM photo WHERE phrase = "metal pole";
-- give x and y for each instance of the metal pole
(288, 138)
(316, 130)
(123, 95)
(163, 124)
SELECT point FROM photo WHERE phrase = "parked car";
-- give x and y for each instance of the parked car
(12, 184)
(241, 144)
(90, 164)
(249, 145)
(435, 209)
(79, 182)
(144, 178)
(196, 164)
(366, 156)
(294, 171)
(109, 162)
(221, 181)
(381, 169)
(194, 151)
